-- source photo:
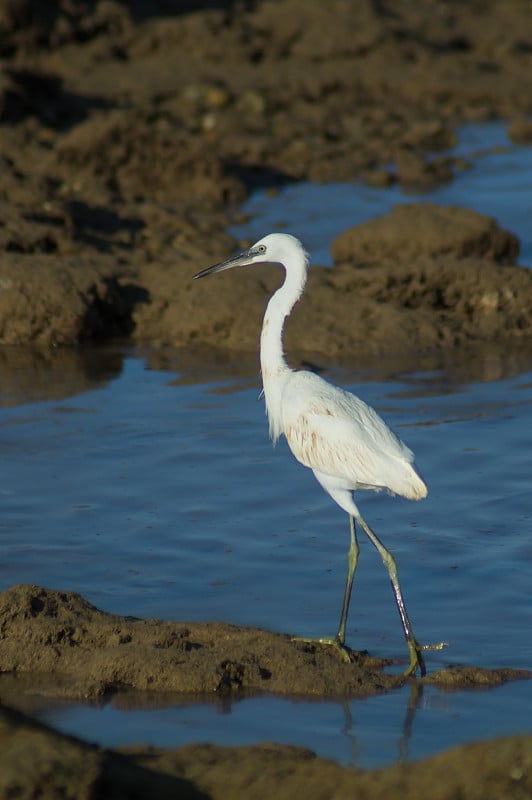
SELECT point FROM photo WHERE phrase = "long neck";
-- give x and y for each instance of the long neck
(273, 363)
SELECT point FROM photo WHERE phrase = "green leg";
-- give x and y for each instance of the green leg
(338, 641)
(416, 658)
(352, 560)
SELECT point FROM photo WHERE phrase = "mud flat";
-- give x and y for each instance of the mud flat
(82, 652)
(129, 134)
(68, 648)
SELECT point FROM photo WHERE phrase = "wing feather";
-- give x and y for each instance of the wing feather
(334, 432)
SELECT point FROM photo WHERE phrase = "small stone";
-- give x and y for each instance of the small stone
(520, 130)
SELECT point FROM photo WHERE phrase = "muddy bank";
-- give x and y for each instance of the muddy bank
(34, 760)
(390, 289)
(418, 279)
(130, 132)
(75, 650)
(54, 645)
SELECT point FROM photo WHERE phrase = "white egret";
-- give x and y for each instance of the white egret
(344, 442)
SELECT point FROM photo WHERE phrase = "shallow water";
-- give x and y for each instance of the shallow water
(145, 481)
(176, 506)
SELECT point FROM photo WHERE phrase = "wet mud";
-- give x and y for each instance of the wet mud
(55, 644)
(129, 134)
(82, 652)
(59, 645)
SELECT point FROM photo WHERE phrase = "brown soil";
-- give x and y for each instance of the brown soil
(129, 134)
(67, 648)
(38, 762)
(82, 652)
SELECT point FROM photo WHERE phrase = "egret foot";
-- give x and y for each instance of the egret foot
(332, 641)
(416, 659)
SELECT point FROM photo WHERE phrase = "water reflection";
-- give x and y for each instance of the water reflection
(409, 723)
(33, 375)
(216, 719)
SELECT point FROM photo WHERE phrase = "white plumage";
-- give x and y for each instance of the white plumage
(341, 439)
(336, 433)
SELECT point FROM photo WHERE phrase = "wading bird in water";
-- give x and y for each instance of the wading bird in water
(341, 439)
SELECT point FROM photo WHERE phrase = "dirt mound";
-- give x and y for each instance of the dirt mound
(48, 304)
(439, 278)
(46, 631)
(422, 231)
(90, 653)
(130, 131)
(147, 154)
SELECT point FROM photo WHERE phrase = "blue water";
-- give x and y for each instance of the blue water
(369, 733)
(151, 487)
(176, 506)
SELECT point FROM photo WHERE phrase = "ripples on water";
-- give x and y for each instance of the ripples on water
(146, 481)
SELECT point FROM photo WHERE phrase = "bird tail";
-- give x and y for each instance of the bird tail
(414, 487)
(404, 480)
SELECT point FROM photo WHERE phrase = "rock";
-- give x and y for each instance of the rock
(420, 231)
(520, 130)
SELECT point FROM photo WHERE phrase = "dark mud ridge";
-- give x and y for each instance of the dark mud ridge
(38, 762)
(71, 649)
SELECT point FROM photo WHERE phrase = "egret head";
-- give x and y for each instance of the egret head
(275, 248)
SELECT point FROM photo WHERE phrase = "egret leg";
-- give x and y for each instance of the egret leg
(352, 560)
(338, 641)
(416, 658)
